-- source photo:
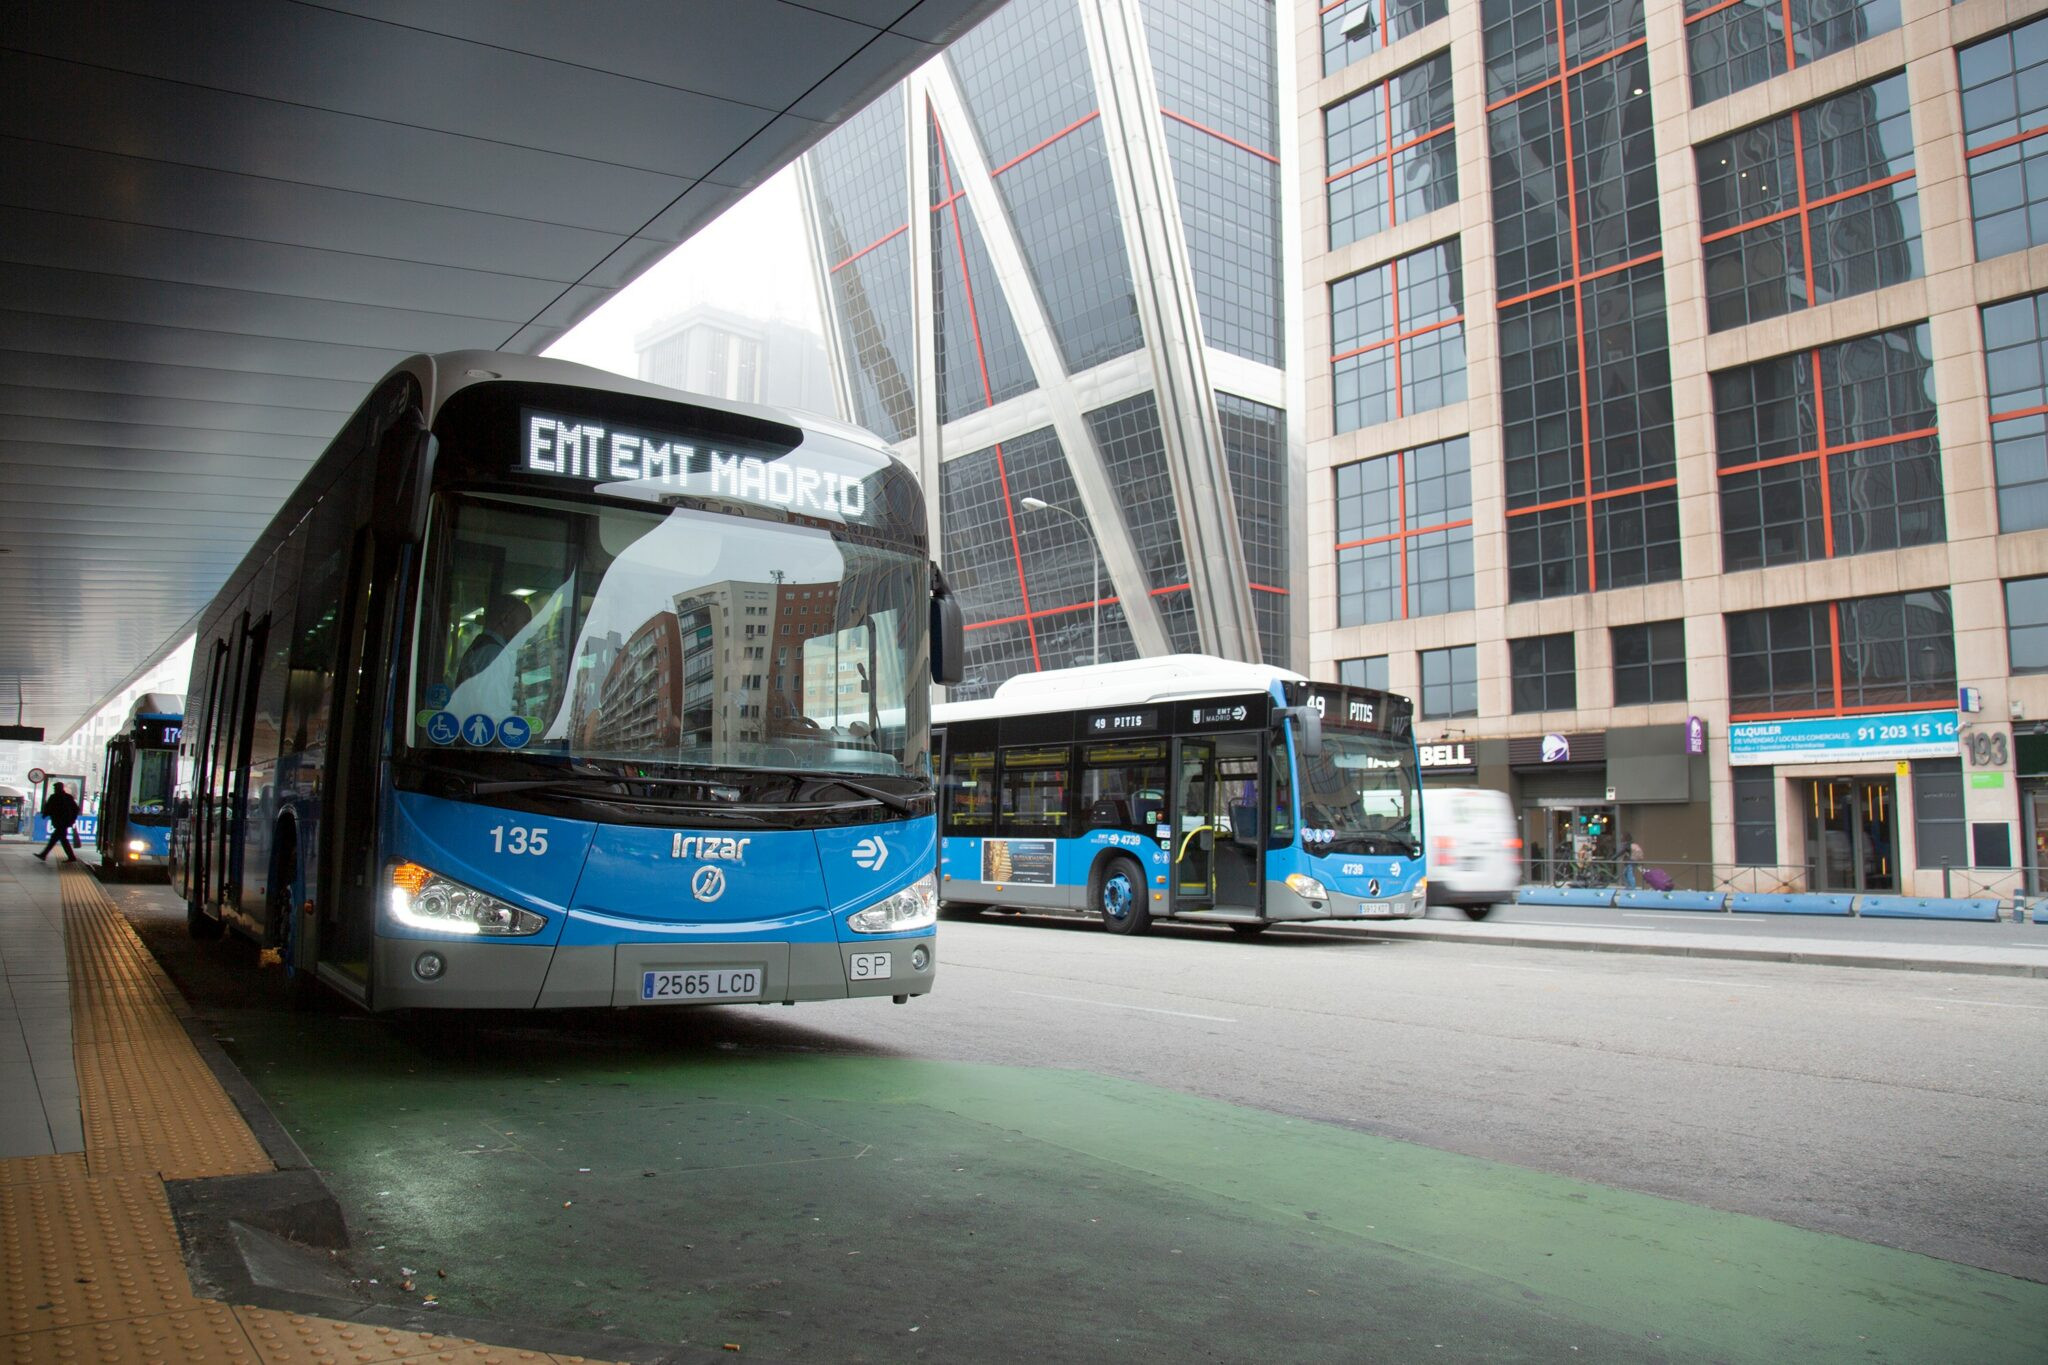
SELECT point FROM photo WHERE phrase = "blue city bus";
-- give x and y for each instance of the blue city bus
(1184, 787)
(133, 833)
(551, 688)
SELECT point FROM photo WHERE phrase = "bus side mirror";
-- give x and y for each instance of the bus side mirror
(1308, 729)
(949, 633)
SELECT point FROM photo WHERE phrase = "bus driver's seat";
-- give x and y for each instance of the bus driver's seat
(1107, 812)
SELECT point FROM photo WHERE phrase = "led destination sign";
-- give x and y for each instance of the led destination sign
(569, 448)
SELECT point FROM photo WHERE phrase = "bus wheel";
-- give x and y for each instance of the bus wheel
(1250, 930)
(1478, 911)
(1120, 896)
(201, 925)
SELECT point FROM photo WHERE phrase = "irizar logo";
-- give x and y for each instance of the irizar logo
(870, 854)
(712, 848)
(708, 883)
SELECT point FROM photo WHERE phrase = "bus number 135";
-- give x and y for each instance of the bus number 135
(519, 839)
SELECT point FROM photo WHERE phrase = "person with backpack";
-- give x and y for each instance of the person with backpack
(61, 810)
(1628, 853)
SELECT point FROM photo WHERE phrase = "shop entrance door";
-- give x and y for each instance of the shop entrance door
(2034, 811)
(1566, 840)
(1851, 834)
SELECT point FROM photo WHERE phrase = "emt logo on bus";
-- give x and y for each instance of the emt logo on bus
(567, 448)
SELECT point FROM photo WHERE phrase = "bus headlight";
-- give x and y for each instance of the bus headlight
(422, 899)
(138, 846)
(1307, 887)
(916, 906)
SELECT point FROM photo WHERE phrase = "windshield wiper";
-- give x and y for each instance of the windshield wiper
(895, 802)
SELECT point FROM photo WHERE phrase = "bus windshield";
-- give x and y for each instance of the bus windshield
(1360, 793)
(667, 636)
(149, 797)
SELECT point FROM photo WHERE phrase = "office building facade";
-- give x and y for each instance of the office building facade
(1054, 273)
(1676, 425)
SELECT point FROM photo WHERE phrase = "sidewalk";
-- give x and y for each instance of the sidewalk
(2018, 960)
(112, 1114)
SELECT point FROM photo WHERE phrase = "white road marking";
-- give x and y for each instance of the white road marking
(1110, 1005)
(1994, 1004)
(1504, 967)
(1706, 981)
(1717, 918)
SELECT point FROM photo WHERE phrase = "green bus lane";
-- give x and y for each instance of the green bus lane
(665, 1188)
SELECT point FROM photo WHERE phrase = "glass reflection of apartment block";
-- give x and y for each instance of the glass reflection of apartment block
(637, 711)
(1051, 261)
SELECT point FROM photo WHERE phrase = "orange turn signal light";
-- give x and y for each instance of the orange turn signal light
(409, 877)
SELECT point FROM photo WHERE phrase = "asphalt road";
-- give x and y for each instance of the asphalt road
(1084, 1147)
(1903, 1108)
(1852, 930)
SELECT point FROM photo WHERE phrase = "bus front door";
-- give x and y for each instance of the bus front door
(1193, 878)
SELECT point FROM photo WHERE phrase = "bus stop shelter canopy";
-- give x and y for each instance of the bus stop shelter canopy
(221, 222)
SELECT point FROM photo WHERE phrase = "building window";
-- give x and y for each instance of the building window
(1649, 663)
(1450, 682)
(2026, 624)
(1397, 337)
(862, 187)
(1545, 672)
(2005, 113)
(1756, 817)
(1815, 206)
(1588, 460)
(2016, 366)
(1829, 452)
(1255, 447)
(1357, 28)
(1890, 653)
(1938, 824)
(1370, 671)
(1734, 44)
(1389, 152)
(1404, 534)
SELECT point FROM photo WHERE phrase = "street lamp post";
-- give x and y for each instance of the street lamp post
(1094, 572)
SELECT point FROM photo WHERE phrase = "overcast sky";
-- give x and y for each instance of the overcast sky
(750, 260)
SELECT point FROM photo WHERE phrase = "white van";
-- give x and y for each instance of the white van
(1475, 848)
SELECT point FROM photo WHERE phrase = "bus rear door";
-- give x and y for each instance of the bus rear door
(1194, 826)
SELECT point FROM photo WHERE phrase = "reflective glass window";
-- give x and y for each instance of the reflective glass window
(1450, 682)
(863, 207)
(1353, 29)
(1255, 449)
(1734, 44)
(2016, 366)
(2026, 624)
(1398, 337)
(1390, 152)
(1404, 534)
(2005, 114)
(1895, 650)
(1828, 452)
(1543, 673)
(1821, 204)
(1649, 662)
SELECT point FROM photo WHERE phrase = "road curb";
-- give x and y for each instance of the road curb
(1804, 956)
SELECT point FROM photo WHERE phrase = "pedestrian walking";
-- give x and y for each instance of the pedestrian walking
(61, 810)
(1628, 852)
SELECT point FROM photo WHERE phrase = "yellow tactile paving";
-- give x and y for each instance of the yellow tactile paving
(208, 1332)
(28, 1170)
(295, 1339)
(147, 1101)
(90, 1267)
(74, 1252)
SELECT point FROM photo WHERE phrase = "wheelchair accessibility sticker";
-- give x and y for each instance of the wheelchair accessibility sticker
(442, 728)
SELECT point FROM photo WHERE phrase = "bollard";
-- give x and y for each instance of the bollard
(1944, 879)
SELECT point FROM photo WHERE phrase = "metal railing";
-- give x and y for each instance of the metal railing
(2001, 884)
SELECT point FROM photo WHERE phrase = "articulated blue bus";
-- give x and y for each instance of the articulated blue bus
(1183, 787)
(134, 830)
(551, 688)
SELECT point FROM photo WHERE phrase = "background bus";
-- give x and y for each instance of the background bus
(1186, 786)
(134, 830)
(517, 702)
